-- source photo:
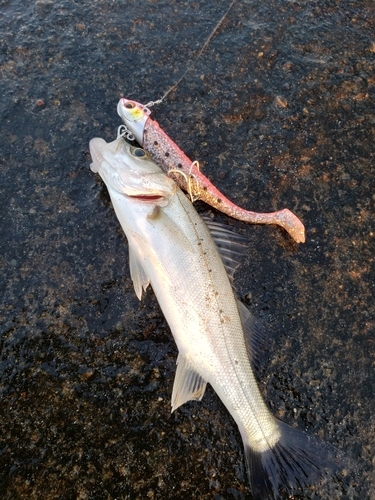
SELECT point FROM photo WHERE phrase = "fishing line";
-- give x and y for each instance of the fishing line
(159, 101)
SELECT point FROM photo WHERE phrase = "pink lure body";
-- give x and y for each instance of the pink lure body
(165, 153)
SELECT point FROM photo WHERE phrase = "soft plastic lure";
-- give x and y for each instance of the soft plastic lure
(186, 173)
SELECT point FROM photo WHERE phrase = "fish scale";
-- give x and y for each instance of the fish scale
(207, 339)
(171, 248)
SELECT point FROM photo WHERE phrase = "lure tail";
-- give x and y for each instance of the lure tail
(298, 461)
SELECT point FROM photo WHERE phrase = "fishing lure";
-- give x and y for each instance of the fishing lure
(166, 154)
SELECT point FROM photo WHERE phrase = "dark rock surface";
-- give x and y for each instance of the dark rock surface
(280, 112)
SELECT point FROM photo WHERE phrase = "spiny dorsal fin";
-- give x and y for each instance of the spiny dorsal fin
(231, 246)
(188, 384)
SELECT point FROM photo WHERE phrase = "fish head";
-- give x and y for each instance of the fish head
(128, 171)
(134, 115)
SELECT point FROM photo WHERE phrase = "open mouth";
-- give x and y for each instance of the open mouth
(147, 197)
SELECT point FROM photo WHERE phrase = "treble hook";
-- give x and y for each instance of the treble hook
(188, 181)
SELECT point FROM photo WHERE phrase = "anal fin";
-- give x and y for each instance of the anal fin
(188, 384)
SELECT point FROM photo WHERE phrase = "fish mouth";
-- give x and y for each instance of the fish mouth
(146, 197)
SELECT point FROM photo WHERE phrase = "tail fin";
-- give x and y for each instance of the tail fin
(297, 461)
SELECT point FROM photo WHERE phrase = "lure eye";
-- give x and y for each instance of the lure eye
(140, 153)
(130, 105)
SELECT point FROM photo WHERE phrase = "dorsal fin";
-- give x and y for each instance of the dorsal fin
(258, 337)
(232, 246)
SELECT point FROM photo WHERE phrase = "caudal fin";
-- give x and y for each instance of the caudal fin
(296, 462)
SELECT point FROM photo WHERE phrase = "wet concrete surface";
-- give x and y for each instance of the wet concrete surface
(280, 112)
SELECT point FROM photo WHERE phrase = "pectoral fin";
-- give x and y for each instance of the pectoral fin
(137, 273)
(188, 384)
(170, 231)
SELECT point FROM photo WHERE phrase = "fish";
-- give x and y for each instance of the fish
(187, 174)
(190, 264)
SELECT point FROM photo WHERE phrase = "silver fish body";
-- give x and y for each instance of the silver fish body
(171, 248)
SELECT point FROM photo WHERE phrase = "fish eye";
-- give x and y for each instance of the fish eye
(140, 153)
(130, 105)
